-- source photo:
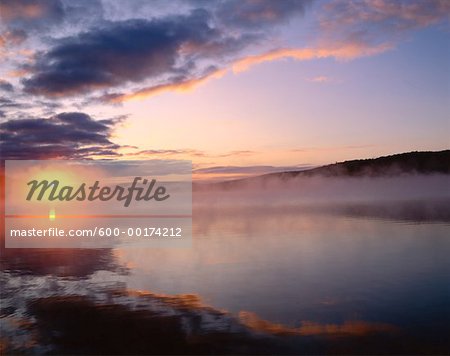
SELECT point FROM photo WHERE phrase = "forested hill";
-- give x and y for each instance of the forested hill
(394, 165)
(403, 163)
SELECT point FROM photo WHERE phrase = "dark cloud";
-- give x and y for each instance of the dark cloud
(6, 86)
(129, 51)
(159, 52)
(66, 135)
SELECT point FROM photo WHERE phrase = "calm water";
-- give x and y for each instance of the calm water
(257, 279)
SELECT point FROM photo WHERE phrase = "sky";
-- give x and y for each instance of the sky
(238, 87)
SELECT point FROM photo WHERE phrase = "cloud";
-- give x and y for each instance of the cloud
(381, 17)
(31, 13)
(165, 53)
(16, 106)
(181, 46)
(377, 23)
(258, 14)
(6, 86)
(83, 12)
(237, 153)
(353, 29)
(18, 73)
(130, 52)
(9, 39)
(66, 135)
(319, 79)
(187, 152)
(13, 37)
(179, 85)
(6, 103)
(344, 51)
(166, 153)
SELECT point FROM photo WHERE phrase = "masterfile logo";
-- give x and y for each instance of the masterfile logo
(96, 204)
(91, 193)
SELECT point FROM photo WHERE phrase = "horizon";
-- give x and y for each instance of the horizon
(274, 170)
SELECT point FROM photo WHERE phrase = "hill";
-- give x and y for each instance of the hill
(394, 165)
(403, 163)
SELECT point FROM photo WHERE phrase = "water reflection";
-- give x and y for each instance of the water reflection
(310, 328)
(78, 263)
(285, 279)
(119, 321)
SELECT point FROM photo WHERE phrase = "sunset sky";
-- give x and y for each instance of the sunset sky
(238, 87)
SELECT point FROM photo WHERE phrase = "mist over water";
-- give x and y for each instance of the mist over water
(410, 197)
(319, 189)
(300, 266)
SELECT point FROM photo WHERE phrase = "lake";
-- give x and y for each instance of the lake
(259, 278)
